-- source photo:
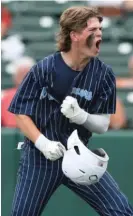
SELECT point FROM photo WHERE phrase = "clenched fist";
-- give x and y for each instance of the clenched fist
(71, 110)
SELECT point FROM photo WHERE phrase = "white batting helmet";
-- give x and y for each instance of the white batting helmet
(82, 165)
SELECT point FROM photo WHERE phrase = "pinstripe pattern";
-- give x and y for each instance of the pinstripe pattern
(19, 181)
(38, 178)
(27, 99)
(104, 196)
(37, 184)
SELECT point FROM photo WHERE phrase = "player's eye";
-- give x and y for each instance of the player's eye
(94, 29)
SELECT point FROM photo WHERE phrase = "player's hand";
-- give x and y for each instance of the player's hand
(71, 110)
(52, 150)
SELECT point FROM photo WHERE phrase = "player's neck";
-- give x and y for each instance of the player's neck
(75, 60)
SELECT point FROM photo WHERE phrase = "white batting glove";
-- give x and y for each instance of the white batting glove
(52, 150)
(71, 110)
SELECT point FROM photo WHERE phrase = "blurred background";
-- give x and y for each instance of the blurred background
(28, 32)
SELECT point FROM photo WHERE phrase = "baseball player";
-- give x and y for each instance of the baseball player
(68, 90)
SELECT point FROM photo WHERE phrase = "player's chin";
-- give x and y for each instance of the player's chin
(92, 52)
(96, 51)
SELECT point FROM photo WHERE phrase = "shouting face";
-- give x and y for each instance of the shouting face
(87, 42)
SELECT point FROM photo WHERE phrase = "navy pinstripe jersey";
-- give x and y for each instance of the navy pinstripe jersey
(94, 88)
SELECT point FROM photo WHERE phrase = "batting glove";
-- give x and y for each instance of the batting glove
(71, 110)
(52, 150)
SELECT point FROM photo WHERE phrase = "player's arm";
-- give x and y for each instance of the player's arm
(105, 105)
(97, 123)
(52, 150)
(24, 106)
(27, 126)
(94, 123)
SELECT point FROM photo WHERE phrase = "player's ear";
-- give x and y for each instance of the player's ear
(74, 36)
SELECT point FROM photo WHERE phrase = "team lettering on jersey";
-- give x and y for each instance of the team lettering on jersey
(82, 93)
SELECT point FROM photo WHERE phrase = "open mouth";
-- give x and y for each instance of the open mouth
(98, 44)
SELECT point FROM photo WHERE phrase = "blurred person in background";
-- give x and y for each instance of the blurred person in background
(126, 82)
(20, 69)
(113, 8)
(6, 21)
(12, 46)
(128, 5)
(119, 119)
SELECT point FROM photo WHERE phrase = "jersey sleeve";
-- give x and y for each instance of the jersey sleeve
(27, 95)
(106, 103)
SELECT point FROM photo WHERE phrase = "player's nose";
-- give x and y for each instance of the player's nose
(99, 33)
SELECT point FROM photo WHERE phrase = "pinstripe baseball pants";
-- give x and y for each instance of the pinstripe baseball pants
(38, 178)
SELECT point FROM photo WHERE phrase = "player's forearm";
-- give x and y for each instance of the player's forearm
(97, 123)
(28, 127)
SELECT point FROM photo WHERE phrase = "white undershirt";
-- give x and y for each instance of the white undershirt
(97, 123)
